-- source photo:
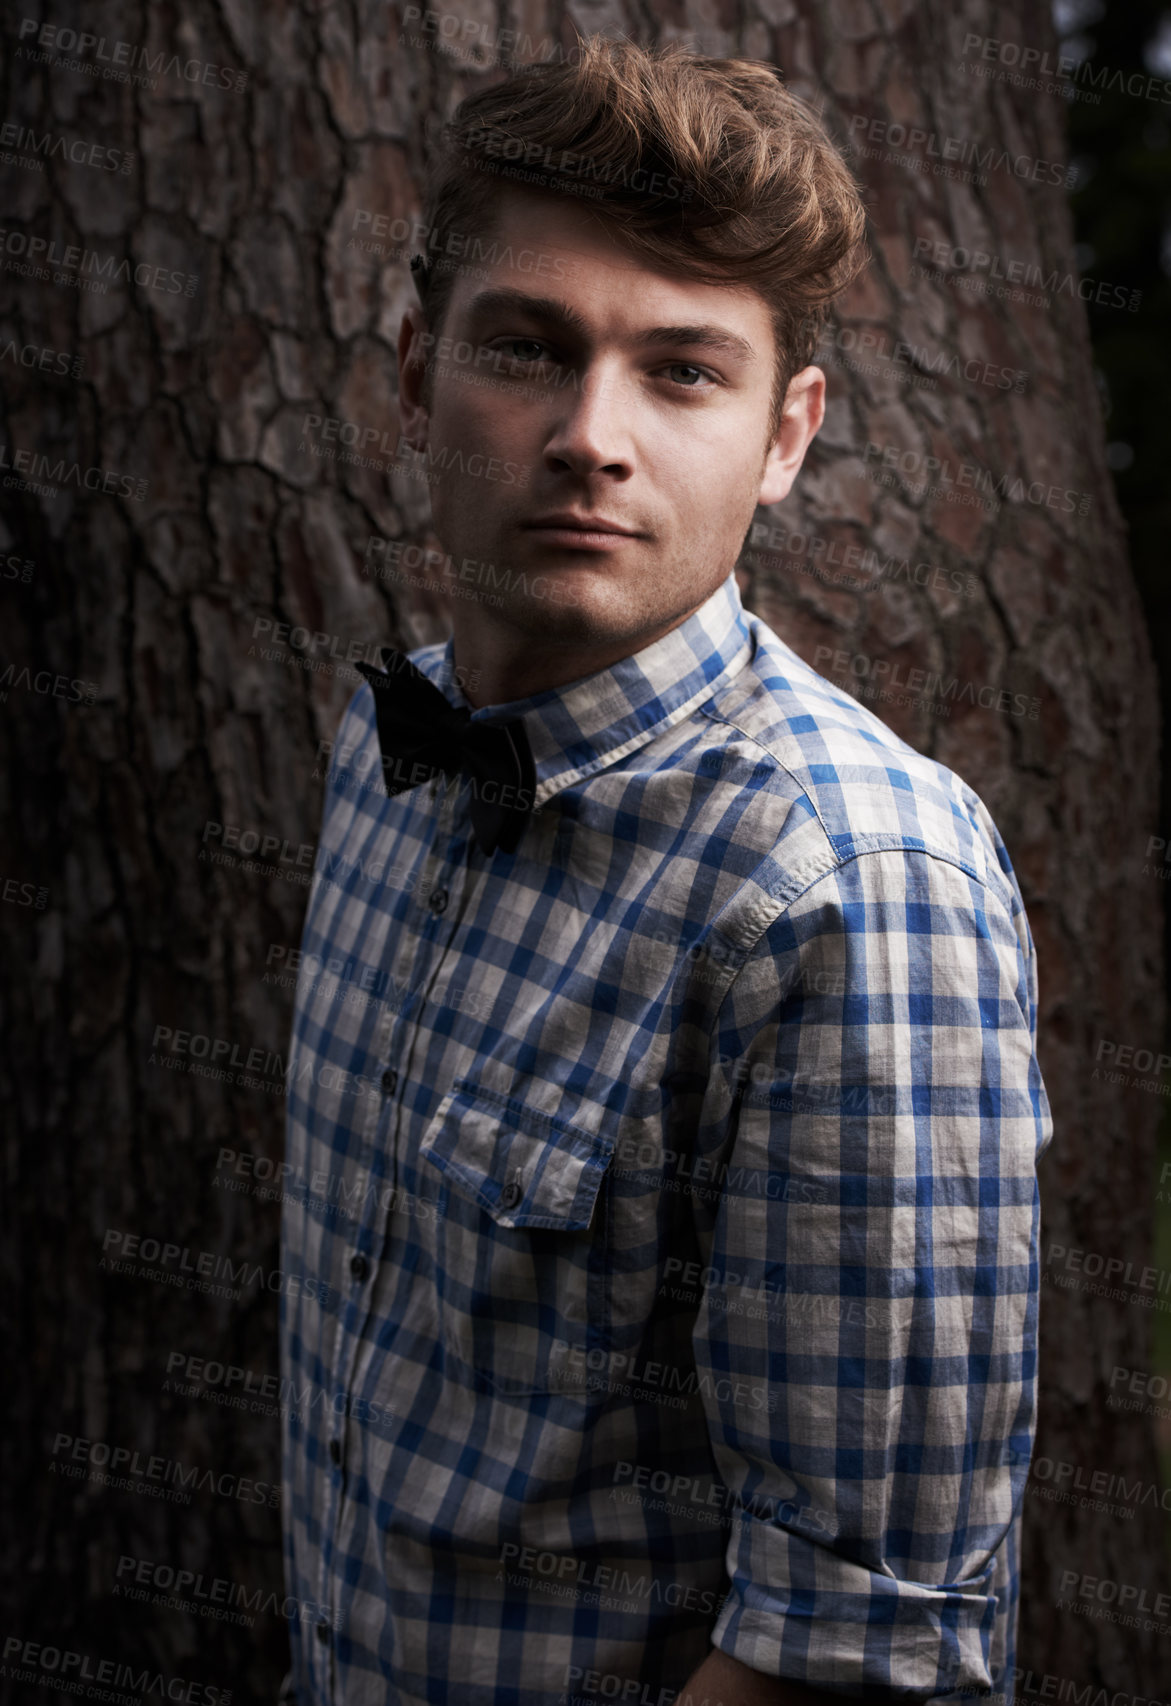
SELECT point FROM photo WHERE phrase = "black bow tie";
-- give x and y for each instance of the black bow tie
(420, 730)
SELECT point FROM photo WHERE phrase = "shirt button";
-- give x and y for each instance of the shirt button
(358, 1266)
(511, 1194)
(323, 1633)
(390, 1081)
(437, 900)
(335, 1450)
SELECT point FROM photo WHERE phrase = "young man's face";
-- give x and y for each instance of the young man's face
(620, 395)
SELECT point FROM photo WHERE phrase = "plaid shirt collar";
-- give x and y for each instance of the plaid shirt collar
(590, 723)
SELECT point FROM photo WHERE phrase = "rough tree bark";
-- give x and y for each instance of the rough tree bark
(206, 715)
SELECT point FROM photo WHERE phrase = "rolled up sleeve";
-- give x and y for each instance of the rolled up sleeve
(865, 1342)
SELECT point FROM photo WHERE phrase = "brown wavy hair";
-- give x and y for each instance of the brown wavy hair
(709, 168)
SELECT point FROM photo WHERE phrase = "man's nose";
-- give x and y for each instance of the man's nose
(593, 428)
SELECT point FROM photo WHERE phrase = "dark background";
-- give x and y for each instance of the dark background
(1122, 219)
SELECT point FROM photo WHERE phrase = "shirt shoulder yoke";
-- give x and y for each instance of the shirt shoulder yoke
(865, 786)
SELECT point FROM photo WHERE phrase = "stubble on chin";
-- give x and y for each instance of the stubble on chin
(557, 615)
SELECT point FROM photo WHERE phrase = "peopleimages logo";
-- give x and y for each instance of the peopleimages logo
(121, 61)
(83, 1667)
(1111, 1592)
(1049, 1686)
(161, 1473)
(1101, 1483)
(532, 1562)
(982, 155)
(928, 683)
(494, 143)
(47, 145)
(218, 1597)
(130, 1247)
(943, 474)
(453, 246)
(92, 268)
(43, 357)
(586, 1687)
(79, 692)
(25, 467)
(1030, 67)
(456, 30)
(953, 258)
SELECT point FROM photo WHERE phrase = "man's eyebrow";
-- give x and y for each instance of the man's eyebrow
(716, 338)
(548, 308)
(514, 301)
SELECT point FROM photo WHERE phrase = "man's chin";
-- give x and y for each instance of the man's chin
(553, 607)
(560, 604)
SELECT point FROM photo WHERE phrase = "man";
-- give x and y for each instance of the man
(663, 1076)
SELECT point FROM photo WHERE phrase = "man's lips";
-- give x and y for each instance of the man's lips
(564, 527)
(563, 518)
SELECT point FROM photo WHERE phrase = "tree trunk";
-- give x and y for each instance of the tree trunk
(184, 639)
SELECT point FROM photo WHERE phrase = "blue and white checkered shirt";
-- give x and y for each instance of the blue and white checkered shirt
(666, 1193)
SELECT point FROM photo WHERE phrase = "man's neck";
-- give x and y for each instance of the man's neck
(496, 667)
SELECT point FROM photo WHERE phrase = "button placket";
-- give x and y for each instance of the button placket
(352, 1317)
(430, 875)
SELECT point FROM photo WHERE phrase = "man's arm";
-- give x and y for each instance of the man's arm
(724, 1681)
(865, 1343)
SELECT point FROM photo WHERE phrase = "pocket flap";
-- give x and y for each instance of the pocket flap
(522, 1166)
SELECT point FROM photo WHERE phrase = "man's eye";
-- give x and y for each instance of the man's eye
(678, 367)
(531, 343)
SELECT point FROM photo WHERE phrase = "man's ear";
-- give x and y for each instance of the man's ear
(801, 419)
(413, 349)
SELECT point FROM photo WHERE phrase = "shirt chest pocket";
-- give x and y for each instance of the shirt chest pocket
(519, 1240)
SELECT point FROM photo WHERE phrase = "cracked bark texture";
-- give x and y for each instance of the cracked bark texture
(158, 602)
